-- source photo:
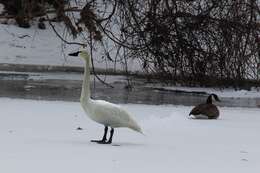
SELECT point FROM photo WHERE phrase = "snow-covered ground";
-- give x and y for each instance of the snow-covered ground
(42, 47)
(41, 136)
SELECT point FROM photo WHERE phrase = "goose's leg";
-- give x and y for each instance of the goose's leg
(111, 136)
(103, 140)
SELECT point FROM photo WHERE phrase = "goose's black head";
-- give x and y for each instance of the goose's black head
(75, 53)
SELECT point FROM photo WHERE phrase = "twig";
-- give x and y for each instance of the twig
(65, 41)
(93, 67)
(23, 36)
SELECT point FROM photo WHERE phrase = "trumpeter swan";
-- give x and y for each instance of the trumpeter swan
(206, 110)
(101, 111)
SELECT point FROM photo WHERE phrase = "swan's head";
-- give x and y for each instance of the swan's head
(83, 54)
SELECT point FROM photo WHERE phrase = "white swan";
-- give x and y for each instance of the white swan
(101, 111)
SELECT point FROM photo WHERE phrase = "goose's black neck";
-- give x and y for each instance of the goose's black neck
(209, 99)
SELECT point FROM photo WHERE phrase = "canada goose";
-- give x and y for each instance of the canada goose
(103, 112)
(206, 110)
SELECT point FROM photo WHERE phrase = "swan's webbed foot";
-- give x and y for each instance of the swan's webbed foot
(98, 141)
(101, 142)
(104, 140)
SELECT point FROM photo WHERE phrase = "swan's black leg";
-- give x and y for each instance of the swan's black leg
(103, 140)
(111, 136)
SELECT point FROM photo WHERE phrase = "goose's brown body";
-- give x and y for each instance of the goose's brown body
(207, 110)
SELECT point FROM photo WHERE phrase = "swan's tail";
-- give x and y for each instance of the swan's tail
(134, 126)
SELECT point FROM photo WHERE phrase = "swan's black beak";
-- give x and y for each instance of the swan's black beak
(74, 54)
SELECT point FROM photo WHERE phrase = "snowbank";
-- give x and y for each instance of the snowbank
(42, 47)
(41, 136)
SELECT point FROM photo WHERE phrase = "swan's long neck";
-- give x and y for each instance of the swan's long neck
(85, 91)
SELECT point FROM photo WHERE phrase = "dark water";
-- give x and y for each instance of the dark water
(19, 86)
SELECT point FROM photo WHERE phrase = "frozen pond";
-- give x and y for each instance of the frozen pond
(43, 137)
(67, 88)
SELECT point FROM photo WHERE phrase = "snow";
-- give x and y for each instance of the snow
(230, 93)
(41, 136)
(42, 47)
(31, 46)
(1, 8)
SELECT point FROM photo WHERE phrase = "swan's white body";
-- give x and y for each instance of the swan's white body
(101, 111)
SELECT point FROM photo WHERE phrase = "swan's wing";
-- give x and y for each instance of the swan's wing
(111, 114)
